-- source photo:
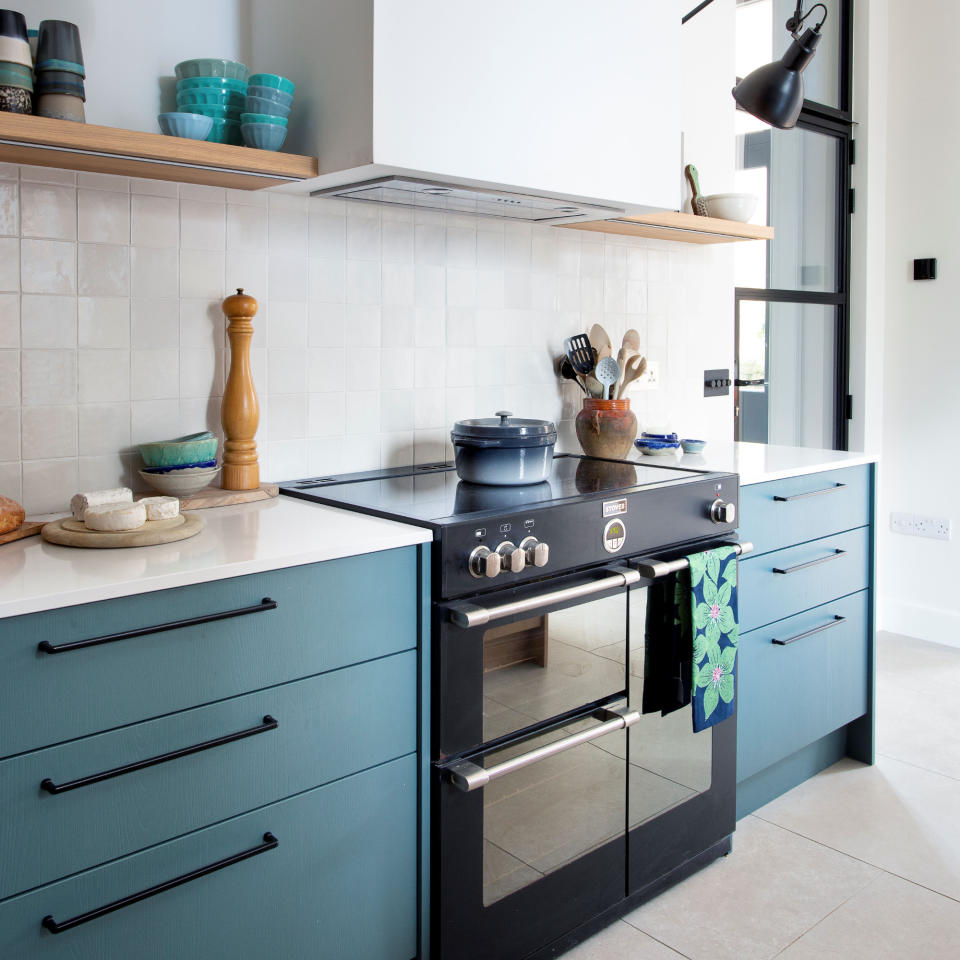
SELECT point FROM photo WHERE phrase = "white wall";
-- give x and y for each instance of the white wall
(921, 403)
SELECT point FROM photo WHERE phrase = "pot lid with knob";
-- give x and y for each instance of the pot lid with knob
(504, 430)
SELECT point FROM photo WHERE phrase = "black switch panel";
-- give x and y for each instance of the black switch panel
(716, 383)
(925, 269)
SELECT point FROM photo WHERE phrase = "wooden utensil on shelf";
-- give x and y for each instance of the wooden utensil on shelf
(630, 347)
(241, 412)
(636, 368)
(601, 341)
(697, 203)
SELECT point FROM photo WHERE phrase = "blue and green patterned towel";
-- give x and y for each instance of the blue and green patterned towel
(691, 639)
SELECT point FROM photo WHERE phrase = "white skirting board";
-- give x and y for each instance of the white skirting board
(936, 624)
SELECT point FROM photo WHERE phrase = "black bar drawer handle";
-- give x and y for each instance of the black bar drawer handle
(45, 646)
(270, 842)
(811, 563)
(812, 493)
(269, 723)
(835, 622)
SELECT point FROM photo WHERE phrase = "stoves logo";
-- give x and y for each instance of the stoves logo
(613, 508)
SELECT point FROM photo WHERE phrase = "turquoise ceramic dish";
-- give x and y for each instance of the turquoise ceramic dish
(209, 96)
(224, 131)
(272, 80)
(191, 126)
(264, 136)
(265, 107)
(262, 118)
(206, 110)
(212, 83)
(193, 449)
(269, 93)
(693, 446)
(208, 67)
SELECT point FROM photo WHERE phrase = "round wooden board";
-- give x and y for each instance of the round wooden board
(78, 526)
(152, 532)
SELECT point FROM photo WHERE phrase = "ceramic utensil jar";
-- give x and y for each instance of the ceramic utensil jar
(606, 428)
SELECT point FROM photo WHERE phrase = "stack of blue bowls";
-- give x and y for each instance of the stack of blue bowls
(16, 64)
(268, 102)
(58, 85)
(211, 88)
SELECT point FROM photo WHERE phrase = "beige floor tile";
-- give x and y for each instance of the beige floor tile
(889, 920)
(918, 663)
(894, 815)
(620, 941)
(750, 905)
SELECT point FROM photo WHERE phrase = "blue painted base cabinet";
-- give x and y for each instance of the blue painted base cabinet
(806, 660)
(288, 733)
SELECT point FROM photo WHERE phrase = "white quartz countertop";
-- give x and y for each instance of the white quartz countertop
(238, 540)
(760, 462)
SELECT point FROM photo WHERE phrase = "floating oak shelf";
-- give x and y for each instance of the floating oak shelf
(683, 227)
(92, 149)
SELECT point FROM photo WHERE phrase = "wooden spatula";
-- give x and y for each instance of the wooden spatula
(636, 368)
(697, 202)
(601, 340)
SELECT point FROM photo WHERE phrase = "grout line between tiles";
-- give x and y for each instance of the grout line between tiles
(917, 766)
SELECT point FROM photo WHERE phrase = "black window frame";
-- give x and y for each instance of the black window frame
(836, 123)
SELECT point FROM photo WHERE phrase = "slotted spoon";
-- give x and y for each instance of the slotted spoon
(608, 373)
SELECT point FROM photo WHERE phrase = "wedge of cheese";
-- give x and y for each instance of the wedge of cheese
(82, 501)
(161, 508)
(115, 516)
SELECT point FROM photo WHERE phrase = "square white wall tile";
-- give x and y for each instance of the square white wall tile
(202, 225)
(48, 485)
(154, 221)
(246, 227)
(103, 270)
(48, 322)
(155, 322)
(48, 432)
(202, 324)
(154, 420)
(48, 211)
(48, 266)
(103, 216)
(103, 322)
(104, 375)
(49, 376)
(155, 374)
(155, 272)
(103, 428)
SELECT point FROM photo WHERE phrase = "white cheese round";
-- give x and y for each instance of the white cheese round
(115, 516)
(161, 508)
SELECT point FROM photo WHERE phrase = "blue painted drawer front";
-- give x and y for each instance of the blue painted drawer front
(771, 524)
(766, 596)
(325, 619)
(328, 727)
(789, 696)
(341, 885)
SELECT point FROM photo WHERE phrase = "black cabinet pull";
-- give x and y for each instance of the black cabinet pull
(45, 646)
(812, 493)
(270, 842)
(268, 724)
(811, 563)
(836, 621)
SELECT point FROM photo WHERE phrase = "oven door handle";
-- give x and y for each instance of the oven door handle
(468, 776)
(472, 615)
(654, 569)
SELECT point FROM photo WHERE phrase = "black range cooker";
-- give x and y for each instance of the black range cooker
(555, 803)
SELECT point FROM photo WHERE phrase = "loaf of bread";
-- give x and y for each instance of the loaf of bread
(95, 498)
(161, 508)
(11, 515)
(115, 517)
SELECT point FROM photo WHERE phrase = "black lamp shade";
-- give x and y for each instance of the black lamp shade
(774, 93)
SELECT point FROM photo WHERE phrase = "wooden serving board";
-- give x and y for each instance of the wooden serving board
(215, 497)
(72, 533)
(26, 529)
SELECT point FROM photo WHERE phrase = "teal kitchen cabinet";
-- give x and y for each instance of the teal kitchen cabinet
(806, 660)
(146, 739)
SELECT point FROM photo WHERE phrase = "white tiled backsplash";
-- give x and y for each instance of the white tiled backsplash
(378, 327)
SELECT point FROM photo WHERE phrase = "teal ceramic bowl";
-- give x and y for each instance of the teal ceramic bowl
(191, 126)
(208, 96)
(15, 75)
(266, 107)
(262, 118)
(224, 131)
(269, 93)
(192, 449)
(693, 446)
(223, 84)
(264, 136)
(207, 67)
(207, 110)
(272, 80)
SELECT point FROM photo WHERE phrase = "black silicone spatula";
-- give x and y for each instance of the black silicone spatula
(580, 353)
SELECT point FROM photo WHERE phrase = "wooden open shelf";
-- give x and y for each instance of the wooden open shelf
(684, 227)
(129, 153)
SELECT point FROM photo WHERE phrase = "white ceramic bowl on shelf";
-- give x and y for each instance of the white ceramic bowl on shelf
(731, 206)
(181, 483)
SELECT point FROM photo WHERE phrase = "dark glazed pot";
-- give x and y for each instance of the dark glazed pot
(606, 428)
(58, 47)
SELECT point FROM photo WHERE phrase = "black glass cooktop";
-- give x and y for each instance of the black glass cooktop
(432, 495)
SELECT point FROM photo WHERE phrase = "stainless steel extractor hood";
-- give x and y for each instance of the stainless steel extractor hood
(451, 198)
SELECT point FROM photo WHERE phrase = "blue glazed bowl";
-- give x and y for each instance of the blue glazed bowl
(279, 97)
(180, 466)
(208, 110)
(194, 450)
(210, 96)
(224, 131)
(261, 105)
(693, 446)
(262, 118)
(656, 448)
(667, 437)
(191, 126)
(223, 84)
(264, 136)
(272, 80)
(211, 67)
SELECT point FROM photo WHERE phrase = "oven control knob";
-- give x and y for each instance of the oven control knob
(537, 554)
(512, 558)
(722, 512)
(484, 562)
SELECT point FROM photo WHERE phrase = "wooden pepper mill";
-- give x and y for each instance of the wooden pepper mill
(240, 414)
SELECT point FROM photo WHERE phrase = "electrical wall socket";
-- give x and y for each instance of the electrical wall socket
(914, 525)
(650, 379)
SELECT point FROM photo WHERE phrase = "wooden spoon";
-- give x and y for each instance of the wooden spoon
(601, 340)
(629, 349)
(636, 368)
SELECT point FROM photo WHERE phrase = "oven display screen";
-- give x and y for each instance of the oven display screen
(614, 533)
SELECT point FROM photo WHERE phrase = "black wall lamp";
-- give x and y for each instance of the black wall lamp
(774, 93)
